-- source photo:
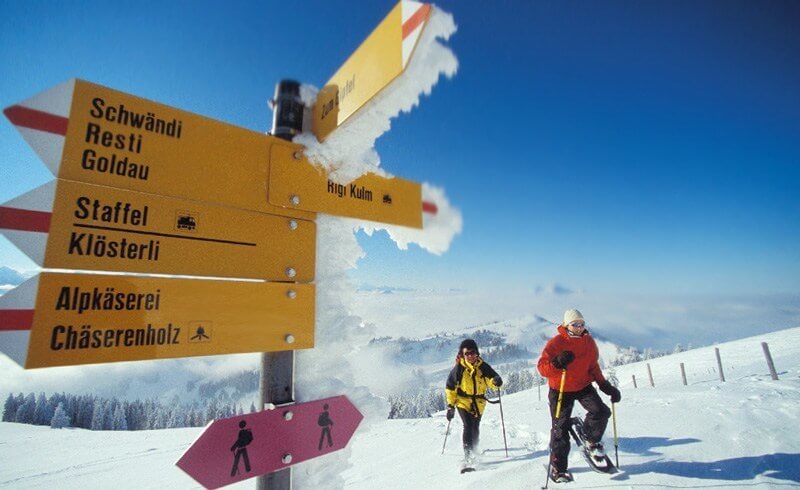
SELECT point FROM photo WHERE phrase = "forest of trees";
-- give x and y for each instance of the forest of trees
(97, 413)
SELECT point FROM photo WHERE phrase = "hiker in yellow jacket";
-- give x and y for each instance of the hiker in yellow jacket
(466, 389)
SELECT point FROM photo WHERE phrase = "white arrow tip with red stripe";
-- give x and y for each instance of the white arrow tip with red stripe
(42, 122)
(25, 220)
(16, 318)
(415, 14)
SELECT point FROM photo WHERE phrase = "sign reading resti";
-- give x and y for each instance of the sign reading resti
(94, 134)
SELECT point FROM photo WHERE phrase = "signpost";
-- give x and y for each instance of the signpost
(142, 187)
(73, 319)
(381, 58)
(242, 447)
(71, 225)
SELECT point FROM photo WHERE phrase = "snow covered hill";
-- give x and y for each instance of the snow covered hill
(709, 434)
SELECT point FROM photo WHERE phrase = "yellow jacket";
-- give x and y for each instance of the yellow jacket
(467, 384)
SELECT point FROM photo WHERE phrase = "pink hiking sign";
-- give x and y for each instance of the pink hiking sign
(246, 446)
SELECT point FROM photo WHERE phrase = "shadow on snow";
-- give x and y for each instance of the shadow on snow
(644, 445)
(781, 466)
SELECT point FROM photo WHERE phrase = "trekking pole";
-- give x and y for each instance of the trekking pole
(502, 421)
(446, 432)
(616, 440)
(558, 412)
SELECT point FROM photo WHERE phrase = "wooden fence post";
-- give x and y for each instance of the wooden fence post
(650, 374)
(719, 364)
(683, 374)
(771, 365)
(634, 380)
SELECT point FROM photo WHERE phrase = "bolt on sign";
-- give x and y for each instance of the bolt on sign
(89, 133)
(255, 444)
(72, 225)
(380, 59)
(59, 319)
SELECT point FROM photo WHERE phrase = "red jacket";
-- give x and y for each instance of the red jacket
(581, 371)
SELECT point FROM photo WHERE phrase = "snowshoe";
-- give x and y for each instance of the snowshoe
(593, 453)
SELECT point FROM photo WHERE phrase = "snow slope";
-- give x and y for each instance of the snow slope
(708, 434)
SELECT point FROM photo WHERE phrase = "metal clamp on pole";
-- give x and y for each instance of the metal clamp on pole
(287, 110)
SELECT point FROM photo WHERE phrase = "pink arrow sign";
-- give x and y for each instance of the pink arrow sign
(238, 448)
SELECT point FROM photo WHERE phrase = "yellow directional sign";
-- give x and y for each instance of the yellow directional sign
(379, 60)
(87, 319)
(298, 184)
(89, 133)
(102, 228)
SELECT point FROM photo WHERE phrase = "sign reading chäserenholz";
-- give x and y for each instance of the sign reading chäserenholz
(95, 318)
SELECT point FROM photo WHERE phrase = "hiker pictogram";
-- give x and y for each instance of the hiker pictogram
(326, 423)
(239, 448)
(200, 335)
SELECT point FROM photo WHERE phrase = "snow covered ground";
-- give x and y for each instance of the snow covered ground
(709, 434)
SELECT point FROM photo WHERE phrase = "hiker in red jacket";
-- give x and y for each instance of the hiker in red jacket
(573, 350)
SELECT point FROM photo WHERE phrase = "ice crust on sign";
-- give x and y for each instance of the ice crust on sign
(348, 153)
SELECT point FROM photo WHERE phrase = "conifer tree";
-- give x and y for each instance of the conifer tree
(119, 421)
(10, 408)
(26, 410)
(99, 415)
(60, 418)
(41, 415)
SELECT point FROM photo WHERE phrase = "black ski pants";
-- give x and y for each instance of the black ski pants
(472, 431)
(594, 425)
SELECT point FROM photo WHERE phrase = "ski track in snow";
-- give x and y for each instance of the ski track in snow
(708, 434)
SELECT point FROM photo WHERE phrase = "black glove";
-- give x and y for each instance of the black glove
(451, 412)
(562, 360)
(498, 381)
(611, 391)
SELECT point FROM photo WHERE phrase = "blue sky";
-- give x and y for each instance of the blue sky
(609, 146)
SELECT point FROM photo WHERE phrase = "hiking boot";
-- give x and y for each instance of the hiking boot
(595, 450)
(469, 456)
(559, 476)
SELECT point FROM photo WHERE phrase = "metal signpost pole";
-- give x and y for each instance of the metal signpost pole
(277, 368)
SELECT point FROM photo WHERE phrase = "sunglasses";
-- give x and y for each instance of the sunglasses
(470, 353)
(578, 324)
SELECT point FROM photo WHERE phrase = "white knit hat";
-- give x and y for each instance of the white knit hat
(572, 315)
